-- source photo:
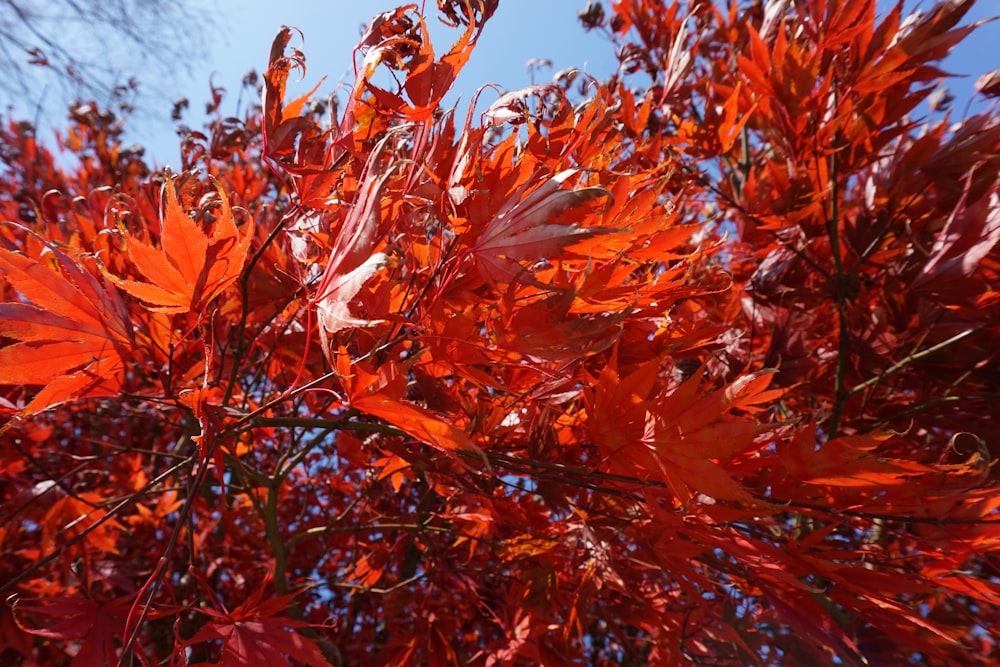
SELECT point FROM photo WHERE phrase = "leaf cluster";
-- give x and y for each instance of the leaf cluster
(693, 372)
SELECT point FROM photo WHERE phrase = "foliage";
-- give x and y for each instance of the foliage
(696, 372)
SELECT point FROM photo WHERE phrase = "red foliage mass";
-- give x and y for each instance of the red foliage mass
(699, 371)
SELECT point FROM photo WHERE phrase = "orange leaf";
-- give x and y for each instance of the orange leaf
(191, 268)
(72, 330)
(731, 126)
(379, 395)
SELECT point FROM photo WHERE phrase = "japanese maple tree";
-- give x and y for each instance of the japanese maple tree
(695, 365)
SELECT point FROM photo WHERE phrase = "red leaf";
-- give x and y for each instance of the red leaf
(523, 229)
(253, 636)
(352, 260)
(73, 619)
(968, 236)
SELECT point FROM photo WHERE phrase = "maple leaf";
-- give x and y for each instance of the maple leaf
(969, 235)
(394, 38)
(73, 331)
(380, 394)
(285, 132)
(352, 260)
(191, 267)
(253, 635)
(334, 311)
(75, 618)
(547, 328)
(682, 435)
(523, 229)
(70, 516)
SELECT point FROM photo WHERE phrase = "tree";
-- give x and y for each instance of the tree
(699, 373)
(78, 45)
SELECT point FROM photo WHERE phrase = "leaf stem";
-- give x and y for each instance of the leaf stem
(909, 359)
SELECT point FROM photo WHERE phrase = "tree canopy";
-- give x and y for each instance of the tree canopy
(695, 365)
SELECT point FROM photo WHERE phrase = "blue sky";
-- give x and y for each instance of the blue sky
(519, 31)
